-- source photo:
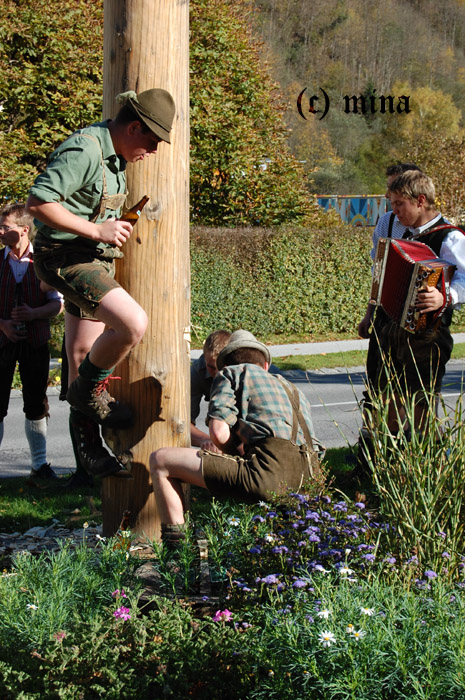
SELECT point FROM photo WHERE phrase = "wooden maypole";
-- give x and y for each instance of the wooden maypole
(146, 45)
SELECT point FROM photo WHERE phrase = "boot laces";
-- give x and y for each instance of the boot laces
(101, 386)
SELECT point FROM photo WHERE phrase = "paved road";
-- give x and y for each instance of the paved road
(334, 395)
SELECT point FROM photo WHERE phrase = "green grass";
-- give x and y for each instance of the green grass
(24, 505)
(352, 358)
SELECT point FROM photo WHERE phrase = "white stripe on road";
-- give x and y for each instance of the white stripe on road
(356, 403)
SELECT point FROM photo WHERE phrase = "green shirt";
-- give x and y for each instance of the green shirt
(74, 177)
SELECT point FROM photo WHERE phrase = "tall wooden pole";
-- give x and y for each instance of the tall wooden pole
(146, 45)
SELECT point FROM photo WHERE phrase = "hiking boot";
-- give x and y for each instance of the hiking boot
(45, 471)
(79, 480)
(93, 399)
(94, 458)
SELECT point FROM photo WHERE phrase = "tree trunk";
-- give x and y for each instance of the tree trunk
(146, 45)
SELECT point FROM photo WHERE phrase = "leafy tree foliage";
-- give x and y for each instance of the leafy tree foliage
(50, 82)
(444, 160)
(350, 47)
(242, 170)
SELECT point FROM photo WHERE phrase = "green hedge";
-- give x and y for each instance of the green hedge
(291, 281)
(304, 281)
(287, 281)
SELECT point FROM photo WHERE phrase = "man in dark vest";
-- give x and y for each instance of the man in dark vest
(419, 360)
(25, 310)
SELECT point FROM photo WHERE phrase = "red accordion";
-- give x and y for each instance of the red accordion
(401, 269)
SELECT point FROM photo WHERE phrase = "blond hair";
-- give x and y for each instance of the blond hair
(412, 184)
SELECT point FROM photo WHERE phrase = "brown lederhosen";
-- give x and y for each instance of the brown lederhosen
(269, 466)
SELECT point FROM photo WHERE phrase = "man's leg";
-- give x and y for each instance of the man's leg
(92, 458)
(125, 324)
(169, 467)
(80, 335)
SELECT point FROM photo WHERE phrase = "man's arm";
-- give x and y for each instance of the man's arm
(364, 325)
(56, 216)
(220, 434)
(28, 313)
(202, 440)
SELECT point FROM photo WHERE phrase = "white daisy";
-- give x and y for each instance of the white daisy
(327, 638)
(367, 611)
(357, 635)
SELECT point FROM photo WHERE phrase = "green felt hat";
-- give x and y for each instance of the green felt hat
(241, 339)
(156, 109)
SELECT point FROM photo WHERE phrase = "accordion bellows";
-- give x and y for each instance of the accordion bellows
(401, 269)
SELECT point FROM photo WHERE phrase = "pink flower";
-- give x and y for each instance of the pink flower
(222, 616)
(59, 636)
(122, 613)
(119, 593)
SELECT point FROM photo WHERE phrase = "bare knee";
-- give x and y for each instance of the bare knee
(138, 326)
(157, 463)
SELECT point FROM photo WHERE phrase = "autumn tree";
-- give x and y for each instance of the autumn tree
(241, 169)
(50, 82)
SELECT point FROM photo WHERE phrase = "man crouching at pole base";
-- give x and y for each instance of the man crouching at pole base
(262, 428)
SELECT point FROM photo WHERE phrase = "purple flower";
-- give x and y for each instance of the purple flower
(341, 506)
(430, 574)
(280, 550)
(446, 555)
(270, 580)
(122, 613)
(299, 583)
(311, 515)
(360, 505)
(369, 557)
(258, 518)
(255, 550)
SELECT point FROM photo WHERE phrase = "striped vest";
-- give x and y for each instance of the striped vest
(38, 331)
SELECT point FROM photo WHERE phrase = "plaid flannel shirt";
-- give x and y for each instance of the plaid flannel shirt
(254, 404)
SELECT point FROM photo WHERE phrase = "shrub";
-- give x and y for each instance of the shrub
(280, 281)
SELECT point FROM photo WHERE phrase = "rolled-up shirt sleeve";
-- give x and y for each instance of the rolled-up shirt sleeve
(222, 403)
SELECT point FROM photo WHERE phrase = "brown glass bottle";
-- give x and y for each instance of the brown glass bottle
(132, 214)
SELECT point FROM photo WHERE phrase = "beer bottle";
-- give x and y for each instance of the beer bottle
(20, 326)
(132, 214)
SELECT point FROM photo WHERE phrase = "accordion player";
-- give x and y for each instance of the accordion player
(401, 269)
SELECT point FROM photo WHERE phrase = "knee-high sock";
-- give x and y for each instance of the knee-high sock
(36, 433)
